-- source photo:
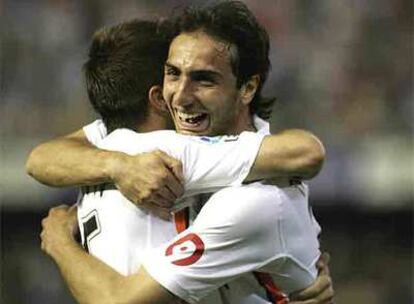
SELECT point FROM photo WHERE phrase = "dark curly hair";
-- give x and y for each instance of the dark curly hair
(232, 22)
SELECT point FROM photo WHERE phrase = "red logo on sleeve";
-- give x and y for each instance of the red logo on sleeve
(189, 244)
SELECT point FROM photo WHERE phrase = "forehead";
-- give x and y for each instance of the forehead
(198, 50)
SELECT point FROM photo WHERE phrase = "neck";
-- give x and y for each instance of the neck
(244, 122)
(153, 122)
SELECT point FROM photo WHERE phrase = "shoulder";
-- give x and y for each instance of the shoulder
(132, 142)
(249, 196)
(249, 209)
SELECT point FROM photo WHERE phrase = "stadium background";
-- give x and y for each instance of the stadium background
(342, 69)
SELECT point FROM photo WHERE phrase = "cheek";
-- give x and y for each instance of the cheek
(166, 89)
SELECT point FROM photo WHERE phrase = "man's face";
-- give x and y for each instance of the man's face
(200, 87)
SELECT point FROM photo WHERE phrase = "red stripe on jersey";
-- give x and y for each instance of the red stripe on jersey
(273, 292)
(181, 219)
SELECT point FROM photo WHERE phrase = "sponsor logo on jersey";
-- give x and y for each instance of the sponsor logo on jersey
(217, 139)
(186, 250)
(210, 140)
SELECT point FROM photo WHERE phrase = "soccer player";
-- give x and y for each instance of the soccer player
(111, 228)
(201, 120)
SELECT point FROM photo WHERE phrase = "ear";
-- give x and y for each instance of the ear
(155, 98)
(248, 89)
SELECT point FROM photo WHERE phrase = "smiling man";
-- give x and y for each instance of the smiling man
(201, 88)
(225, 243)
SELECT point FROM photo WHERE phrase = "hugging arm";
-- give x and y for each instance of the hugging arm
(91, 281)
(291, 153)
(72, 160)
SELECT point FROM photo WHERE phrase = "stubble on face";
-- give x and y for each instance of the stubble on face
(200, 87)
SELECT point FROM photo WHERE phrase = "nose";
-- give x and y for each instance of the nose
(184, 95)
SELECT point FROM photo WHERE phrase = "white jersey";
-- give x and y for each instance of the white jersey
(239, 230)
(117, 232)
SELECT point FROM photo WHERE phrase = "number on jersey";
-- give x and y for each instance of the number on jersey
(91, 228)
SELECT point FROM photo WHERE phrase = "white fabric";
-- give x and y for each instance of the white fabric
(254, 227)
(209, 163)
(123, 232)
(95, 131)
(269, 229)
(249, 228)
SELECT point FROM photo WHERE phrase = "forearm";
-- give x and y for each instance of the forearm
(93, 282)
(291, 153)
(89, 280)
(70, 161)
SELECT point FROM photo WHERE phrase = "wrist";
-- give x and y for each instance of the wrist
(112, 164)
(58, 250)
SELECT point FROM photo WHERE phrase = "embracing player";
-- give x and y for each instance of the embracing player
(173, 64)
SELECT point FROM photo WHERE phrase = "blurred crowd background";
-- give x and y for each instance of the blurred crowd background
(342, 69)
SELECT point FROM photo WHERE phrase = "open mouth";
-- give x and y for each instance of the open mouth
(192, 122)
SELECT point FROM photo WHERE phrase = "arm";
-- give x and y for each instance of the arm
(72, 160)
(90, 280)
(321, 291)
(290, 153)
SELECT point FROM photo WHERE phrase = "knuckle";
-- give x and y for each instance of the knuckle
(156, 184)
(159, 152)
(328, 280)
(145, 194)
(163, 176)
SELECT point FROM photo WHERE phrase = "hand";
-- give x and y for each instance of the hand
(58, 228)
(152, 180)
(321, 291)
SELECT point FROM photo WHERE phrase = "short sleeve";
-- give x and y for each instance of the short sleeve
(221, 245)
(95, 131)
(209, 163)
(214, 162)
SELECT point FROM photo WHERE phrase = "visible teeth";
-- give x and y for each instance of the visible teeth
(189, 118)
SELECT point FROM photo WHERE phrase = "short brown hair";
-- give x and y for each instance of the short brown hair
(125, 60)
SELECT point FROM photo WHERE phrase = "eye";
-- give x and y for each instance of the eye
(204, 80)
(171, 71)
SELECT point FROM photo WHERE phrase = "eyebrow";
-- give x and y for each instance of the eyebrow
(202, 72)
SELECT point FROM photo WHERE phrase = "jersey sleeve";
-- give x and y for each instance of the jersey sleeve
(211, 163)
(95, 132)
(222, 244)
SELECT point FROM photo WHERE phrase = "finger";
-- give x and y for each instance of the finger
(173, 164)
(57, 208)
(161, 201)
(318, 287)
(322, 263)
(164, 197)
(73, 208)
(174, 185)
(61, 207)
(327, 295)
(313, 301)
(303, 302)
(163, 213)
(324, 297)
